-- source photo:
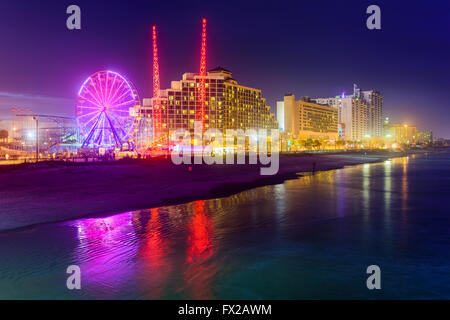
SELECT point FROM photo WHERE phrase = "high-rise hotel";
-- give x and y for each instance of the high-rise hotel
(228, 105)
(374, 101)
(360, 115)
(304, 119)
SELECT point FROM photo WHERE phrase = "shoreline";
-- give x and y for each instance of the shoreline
(48, 193)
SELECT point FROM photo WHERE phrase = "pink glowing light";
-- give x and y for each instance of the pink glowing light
(104, 106)
(203, 73)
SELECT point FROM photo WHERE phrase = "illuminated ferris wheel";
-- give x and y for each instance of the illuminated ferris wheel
(106, 110)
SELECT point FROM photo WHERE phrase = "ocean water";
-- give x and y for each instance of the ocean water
(310, 238)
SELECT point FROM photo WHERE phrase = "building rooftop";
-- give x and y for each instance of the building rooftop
(220, 70)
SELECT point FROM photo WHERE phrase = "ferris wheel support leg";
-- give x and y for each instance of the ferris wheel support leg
(91, 133)
(116, 136)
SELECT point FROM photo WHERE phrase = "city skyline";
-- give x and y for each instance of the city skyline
(327, 70)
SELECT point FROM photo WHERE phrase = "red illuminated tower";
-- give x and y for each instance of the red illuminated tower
(202, 86)
(156, 88)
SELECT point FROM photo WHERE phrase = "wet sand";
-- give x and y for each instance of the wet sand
(50, 192)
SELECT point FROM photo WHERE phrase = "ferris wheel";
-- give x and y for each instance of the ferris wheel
(106, 110)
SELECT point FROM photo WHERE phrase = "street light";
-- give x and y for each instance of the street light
(37, 138)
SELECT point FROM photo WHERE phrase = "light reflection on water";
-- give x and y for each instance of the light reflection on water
(307, 238)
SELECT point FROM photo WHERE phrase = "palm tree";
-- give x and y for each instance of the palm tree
(308, 143)
(317, 144)
(302, 144)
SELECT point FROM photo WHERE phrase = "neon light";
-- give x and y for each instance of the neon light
(202, 85)
(156, 87)
(103, 114)
(84, 85)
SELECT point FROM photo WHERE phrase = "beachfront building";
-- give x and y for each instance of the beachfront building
(359, 115)
(400, 133)
(304, 119)
(374, 101)
(280, 115)
(353, 116)
(424, 137)
(228, 104)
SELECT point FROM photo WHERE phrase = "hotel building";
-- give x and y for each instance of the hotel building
(374, 101)
(424, 137)
(360, 114)
(305, 119)
(400, 133)
(228, 105)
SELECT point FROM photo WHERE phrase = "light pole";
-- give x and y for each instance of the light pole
(37, 138)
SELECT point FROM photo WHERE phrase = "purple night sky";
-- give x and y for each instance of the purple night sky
(310, 48)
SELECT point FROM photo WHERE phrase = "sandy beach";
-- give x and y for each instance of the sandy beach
(49, 192)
